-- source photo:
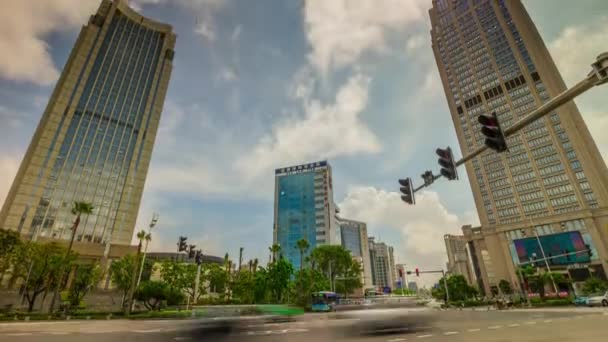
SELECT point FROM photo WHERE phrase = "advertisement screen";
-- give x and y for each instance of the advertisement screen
(553, 244)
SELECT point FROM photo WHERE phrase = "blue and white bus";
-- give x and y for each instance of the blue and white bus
(324, 301)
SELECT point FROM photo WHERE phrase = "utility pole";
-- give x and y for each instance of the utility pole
(445, 285)
(199, 262)
(542, 251)
(143, 259)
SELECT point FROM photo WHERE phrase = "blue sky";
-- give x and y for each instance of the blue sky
(258, 85)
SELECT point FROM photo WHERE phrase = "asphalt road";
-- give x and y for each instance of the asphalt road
(536, 326)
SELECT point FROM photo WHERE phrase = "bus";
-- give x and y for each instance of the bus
(324, 301)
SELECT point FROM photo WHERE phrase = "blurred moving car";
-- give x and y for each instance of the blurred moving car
(598, 300)
(581, 301)
(385, 319)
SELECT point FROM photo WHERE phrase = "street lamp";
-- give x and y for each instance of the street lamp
(143, 259)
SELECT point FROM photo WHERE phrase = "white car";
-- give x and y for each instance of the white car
(598, 299)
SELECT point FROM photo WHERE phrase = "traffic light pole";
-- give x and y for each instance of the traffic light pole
(445, 283)
(196, 284)
(598, 76)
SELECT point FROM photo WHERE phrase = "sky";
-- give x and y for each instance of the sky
(259, 85)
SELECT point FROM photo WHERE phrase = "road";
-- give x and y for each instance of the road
(524, 325)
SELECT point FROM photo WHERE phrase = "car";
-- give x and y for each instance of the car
(582, 300)
(598, 300)
(386, 318)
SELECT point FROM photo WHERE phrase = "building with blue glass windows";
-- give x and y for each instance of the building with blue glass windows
(95, 138)
(354, 239)
(552, 184)
(304, 208)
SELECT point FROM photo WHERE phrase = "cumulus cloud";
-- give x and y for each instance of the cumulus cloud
(326, 131)
(340, 31)
(421, 226)
(24, 24)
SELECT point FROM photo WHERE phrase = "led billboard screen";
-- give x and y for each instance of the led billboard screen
(553, 244)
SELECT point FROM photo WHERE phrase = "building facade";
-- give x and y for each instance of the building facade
(553, 179)
(355, 239)
(95, 138)
(304, 208)
(383, 264)
(458, 257)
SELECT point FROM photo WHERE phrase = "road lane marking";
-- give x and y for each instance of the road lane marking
(184, 338)
(57, 333)
(19, 334)
(495, 327)
(514, 325)
(147, 331)
(548, 321)
(424, 336)
(447, 333)
(530, 323)
(396, 340)
(474, 330)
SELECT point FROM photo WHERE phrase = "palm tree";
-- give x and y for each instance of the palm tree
(141, 236)
(302, 245)
(255, 265)
(274, 250)
(240, 258)
(79, 209)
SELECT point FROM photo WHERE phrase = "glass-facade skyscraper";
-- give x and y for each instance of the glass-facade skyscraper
(304, 208)
(354, 239)
(95, 138)
(553, 179)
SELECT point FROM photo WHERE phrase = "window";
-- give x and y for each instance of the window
(560, 201)
(560, 189)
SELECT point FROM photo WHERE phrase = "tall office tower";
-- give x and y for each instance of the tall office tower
(354, 239)
(458, 257)
(383, 264)
(95, 138)
(304, 208)
(553, 179)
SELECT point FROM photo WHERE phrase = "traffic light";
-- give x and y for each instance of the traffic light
(400, 273)
(407, 190)
(182, 244)
(495, 137)
(446, 161)
(191, 251)
(428, 177)
(417, 273)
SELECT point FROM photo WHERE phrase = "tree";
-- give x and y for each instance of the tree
(78, 209)
(141, 236)
(243, 287)
(173, 274)
(275, 249)
(9, 242)
(240, 258)
(307, 281)
(505, 287)
(302, 245)
(279, 276)
(43, 263)
(217, 278)
(594, 285)
(152, 293)
(122, 274)
(87, 276)
(333, 260)
(458, 288)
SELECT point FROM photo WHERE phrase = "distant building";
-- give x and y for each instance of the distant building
(304, 208)
(458, 257)
(182, 257)
(383, 264)
(400, 276)
(355, 239)
(412, 286)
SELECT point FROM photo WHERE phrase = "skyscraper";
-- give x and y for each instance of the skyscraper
(304, 208)
(355, 239)
(458, 257)
(95, 138)
(383, 264)
(553, 179)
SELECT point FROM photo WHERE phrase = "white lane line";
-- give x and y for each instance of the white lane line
(57, 333)
(19, 334)
(396, 340)
(548, 320)
(147, 331)
(447, 333)
(514, 325)
(474, 330)
(578, 317)
(182, 338)
(530, 323)
(495, 327)
(424, 336)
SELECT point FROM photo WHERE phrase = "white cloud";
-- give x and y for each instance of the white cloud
(227, 74)
(421, 226)
(340, 31)
(24, 24)
(326, 131)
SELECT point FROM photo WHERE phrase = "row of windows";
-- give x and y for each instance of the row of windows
(508, 212)
(524, 176)
(527, 186)
(502, 192)
(559, 189)
(547, 159)
(555, 179)
(530, 207)
(551, 169)
(530, 196)
(543, 150)
(505, 202)
(563, 200)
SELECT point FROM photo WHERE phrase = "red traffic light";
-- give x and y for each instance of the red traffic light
(417, 273)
